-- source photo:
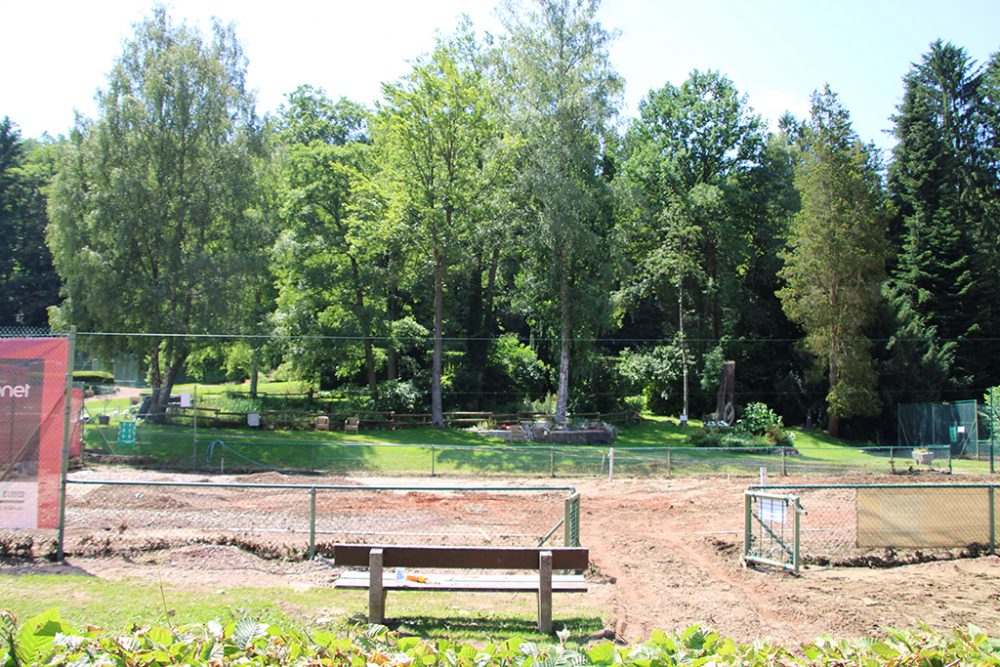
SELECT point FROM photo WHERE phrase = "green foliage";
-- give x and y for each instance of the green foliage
(944, 181)
(654, 372)
(835, 263)
(521, 375)
(760, 420)
(46, 639)
(723, 436)
(757, 417)
(156, 223)
(28, 283)
(399, 396)
(560, 93)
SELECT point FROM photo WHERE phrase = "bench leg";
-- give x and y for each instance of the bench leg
(376, 592)
(545, 592)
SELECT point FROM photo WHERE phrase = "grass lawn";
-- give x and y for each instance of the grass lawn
(116, 605)
(639, 449)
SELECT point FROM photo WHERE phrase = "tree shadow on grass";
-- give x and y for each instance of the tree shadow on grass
(486, 626)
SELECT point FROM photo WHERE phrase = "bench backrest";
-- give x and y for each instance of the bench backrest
(470, 558)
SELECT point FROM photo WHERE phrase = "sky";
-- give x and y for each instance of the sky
(56, 54)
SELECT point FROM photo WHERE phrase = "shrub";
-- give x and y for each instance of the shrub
(398, 396)
(718, 434)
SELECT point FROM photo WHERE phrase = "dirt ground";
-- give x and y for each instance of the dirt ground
(665, 554)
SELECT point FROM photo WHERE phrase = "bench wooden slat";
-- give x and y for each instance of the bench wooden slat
(468, 558)
(561, 583)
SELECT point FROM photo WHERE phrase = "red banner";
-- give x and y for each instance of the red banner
(32, 413)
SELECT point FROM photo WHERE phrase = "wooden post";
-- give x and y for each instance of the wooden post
(545, 592)
(376, 592)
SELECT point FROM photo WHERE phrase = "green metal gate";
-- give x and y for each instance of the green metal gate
(771, 529)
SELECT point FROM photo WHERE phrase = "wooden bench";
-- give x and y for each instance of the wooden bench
(380, 577)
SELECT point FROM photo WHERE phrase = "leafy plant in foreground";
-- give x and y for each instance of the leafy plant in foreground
(47, 640)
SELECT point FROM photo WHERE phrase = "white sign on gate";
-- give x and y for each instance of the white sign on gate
(772, 511)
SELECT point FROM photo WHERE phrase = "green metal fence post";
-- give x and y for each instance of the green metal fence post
(892, 462)
(67, 413)
(796, 547)
(993, 421)
(784, 462)
(312, 463)
(949, 460)
(433, 450)
(552, 461)
(670, 465)
(194, 423)
(571, 521)
(747, 527)
(312, 523)
(992, 513)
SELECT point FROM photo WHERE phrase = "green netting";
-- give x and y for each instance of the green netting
(951, 424)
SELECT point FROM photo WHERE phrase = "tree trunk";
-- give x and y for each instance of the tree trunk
(833, 423)
(254, 371)
(684, 358)
(566, 330)
(437, 412)
(175, 356)
(359, 303)
(476, 346)
(391, 353)
(833, 426)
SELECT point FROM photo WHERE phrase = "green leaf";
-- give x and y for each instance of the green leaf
(246, 631)
(161, 636)
(408, 643)
(883, 650)
(34, 641)
(602, 654)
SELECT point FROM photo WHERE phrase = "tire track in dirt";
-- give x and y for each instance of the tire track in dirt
(667, 577)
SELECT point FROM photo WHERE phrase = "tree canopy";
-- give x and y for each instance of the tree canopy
(493, 235)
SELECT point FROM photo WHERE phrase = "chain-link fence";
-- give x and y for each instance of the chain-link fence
(304, 516)
(889, 524)
(209, 450)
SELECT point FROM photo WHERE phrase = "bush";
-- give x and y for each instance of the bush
(398, 396)
(723, 436)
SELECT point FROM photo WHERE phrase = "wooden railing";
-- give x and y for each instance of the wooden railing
(372, 419)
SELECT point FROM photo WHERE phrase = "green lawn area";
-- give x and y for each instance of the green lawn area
(639, 449)
(116, 605)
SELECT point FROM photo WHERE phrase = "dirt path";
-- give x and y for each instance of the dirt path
(673, 549)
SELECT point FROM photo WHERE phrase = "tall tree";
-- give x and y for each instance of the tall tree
(835, 262)
(561, 96)
(28, 283)
(153, 221)
(433, 133)
(690, 154)
(945, 190)
(324, 261)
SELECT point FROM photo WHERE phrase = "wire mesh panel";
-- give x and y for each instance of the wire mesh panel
(771, 529)
(891, 523)
(293, 516)
(954, 424)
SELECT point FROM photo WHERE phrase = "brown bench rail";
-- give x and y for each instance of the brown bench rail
(462, 558)
(376, 558)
